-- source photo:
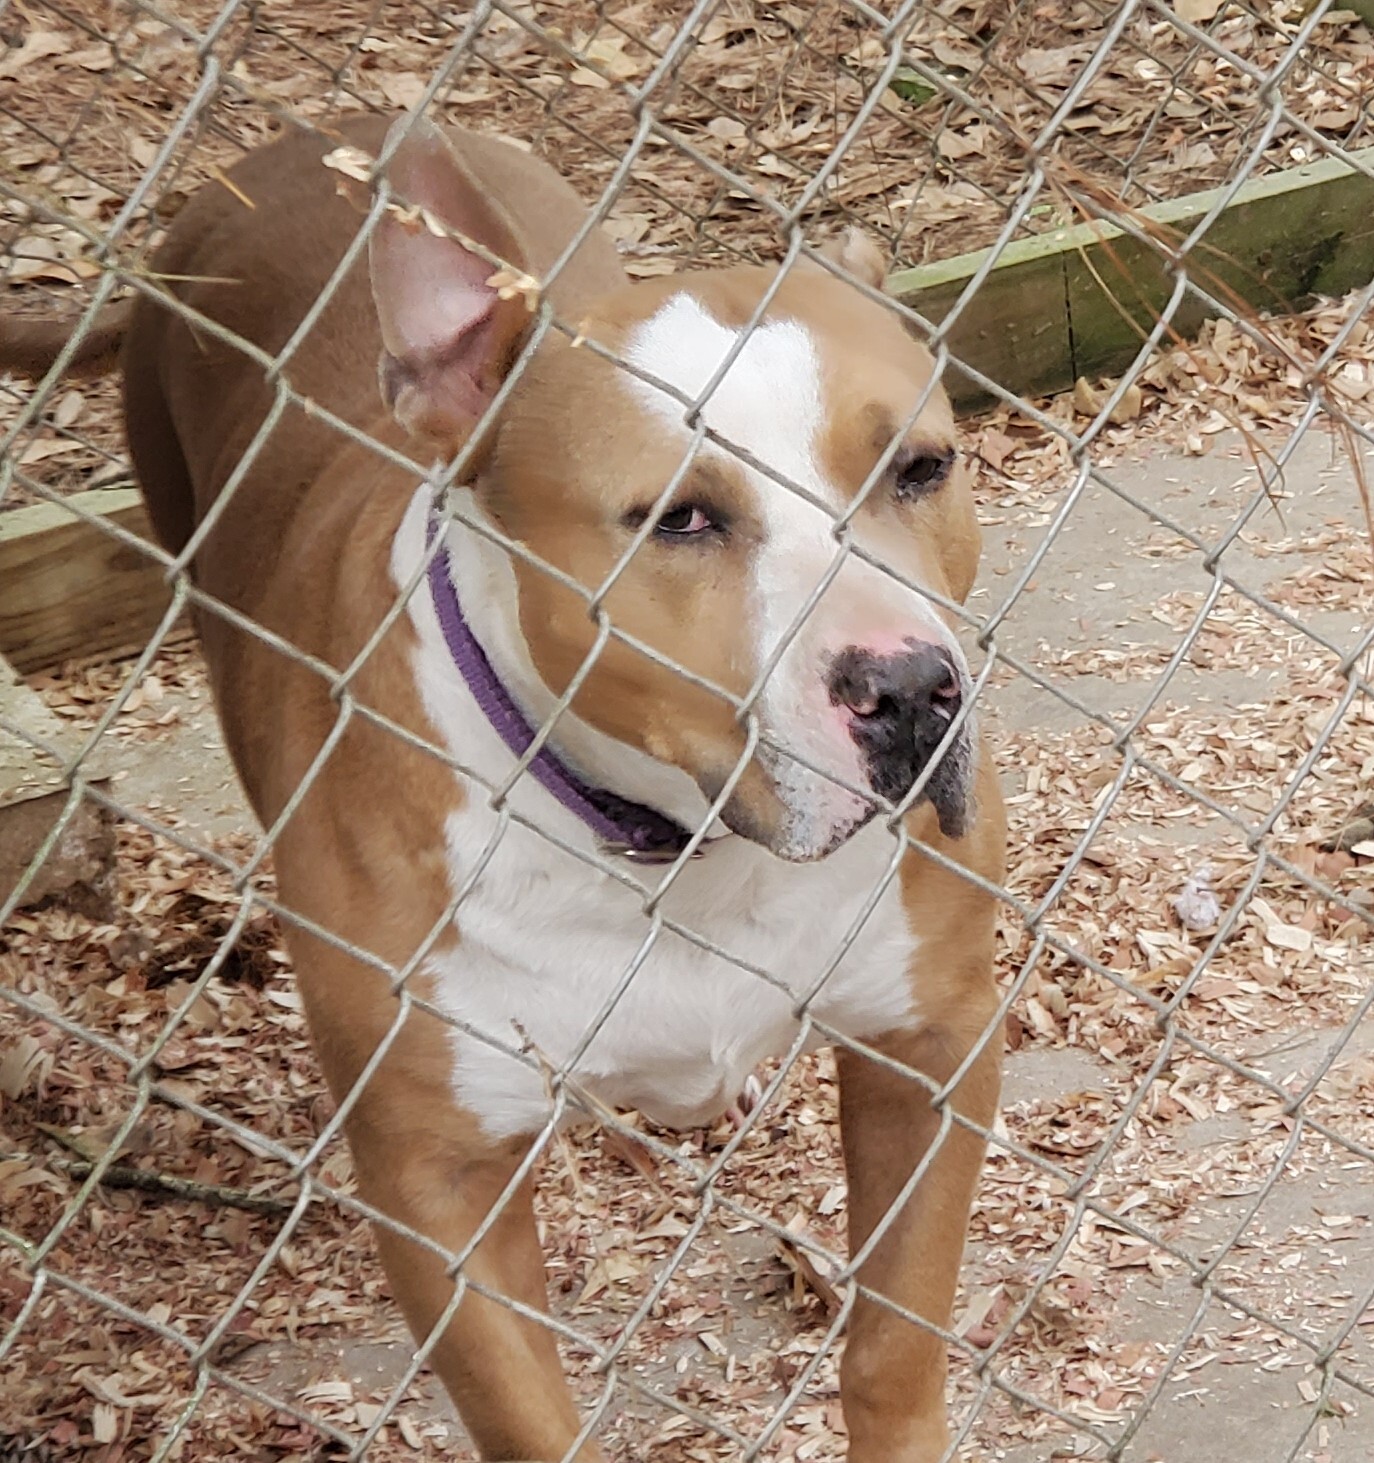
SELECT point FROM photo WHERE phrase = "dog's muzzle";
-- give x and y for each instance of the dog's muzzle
(901, 708)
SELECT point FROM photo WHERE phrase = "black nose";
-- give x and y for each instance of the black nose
(902, 704)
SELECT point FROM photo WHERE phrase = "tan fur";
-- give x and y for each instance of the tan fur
(303, 550)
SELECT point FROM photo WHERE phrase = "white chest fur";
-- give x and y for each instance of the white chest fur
(561, 958)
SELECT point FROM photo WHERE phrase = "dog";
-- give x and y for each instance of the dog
(582, 792)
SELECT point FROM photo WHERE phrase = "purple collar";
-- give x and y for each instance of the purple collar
(625, 828)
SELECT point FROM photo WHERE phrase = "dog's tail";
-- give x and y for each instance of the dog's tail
(30, 348)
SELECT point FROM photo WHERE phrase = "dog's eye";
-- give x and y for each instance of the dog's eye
(684, 521)
(919, 473)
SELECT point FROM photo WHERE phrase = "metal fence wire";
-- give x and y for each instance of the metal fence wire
(1171, 1253)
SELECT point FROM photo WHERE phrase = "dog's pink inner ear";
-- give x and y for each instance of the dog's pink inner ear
(448, 338)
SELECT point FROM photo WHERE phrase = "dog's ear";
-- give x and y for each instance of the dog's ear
(856, 253)
(448, 337)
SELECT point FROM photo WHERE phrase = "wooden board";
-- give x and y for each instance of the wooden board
(1080, 301)
(68, 588)
(1015, 323)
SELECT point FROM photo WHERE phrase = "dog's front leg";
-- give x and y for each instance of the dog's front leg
(501, 1368)
(422, 1160)
(892, 1379)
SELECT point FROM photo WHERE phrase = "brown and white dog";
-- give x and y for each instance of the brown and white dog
(547, 971)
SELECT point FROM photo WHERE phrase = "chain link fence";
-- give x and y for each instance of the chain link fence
(1172, 1249)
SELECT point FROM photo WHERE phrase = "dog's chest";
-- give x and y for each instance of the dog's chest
(558, 966)
(563, 961)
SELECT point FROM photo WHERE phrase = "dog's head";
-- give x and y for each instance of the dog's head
(786, 545)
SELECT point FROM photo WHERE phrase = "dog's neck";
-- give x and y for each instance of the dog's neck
(633, 803)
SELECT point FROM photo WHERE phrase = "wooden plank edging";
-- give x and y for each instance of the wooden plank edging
(68, 588)
(1079, 301)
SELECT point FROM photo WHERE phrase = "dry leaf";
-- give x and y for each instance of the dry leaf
(1051, 67)
(402, 89)
(609, 1270)
(22, 1061)
(995, 447)
(35, 46)
(1197, 12)
(971, 142)
(728, 129)
(327, 1392)
(67, 408)
(93, 58)
(607, 53)
(40, 451)
(1282, 936)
